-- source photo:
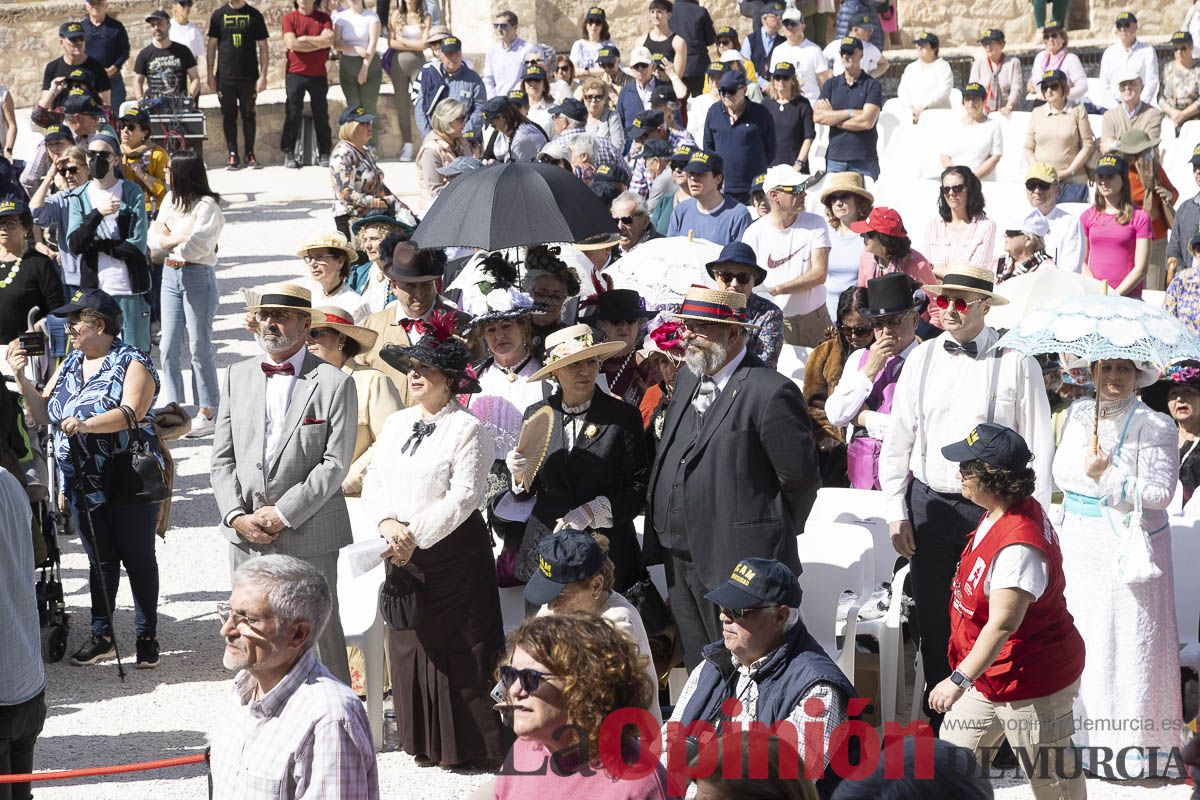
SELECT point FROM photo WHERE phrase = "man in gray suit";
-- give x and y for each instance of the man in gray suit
(283, 445)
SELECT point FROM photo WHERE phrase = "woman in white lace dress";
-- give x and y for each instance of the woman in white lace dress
(426, 495)
(1129, 693)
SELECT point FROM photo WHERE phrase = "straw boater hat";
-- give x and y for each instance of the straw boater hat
(966, 278)
(713, 305)
(330, 241)
(341, 321)
(601, 241)
(573, 344)
(846, 182)
(285, 296)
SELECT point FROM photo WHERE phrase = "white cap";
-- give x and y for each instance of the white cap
(1033, 224)
(640, 55)
(557, 150)
(730, 55)
(793, 13)
(1129, 74)
(783, 175)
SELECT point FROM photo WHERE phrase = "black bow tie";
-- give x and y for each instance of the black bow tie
(953, 348)
(420, 431)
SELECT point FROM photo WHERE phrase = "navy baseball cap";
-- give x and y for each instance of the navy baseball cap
(732, 80)
(849, 44)
(727, 32)
(518, 98)
(661, 95)
(71, 30)
(1113, 165)
(643, 123)
(702, 161)
(1181, 37)
(862, 21)
(11, 207)
(1195, 160)
(1053, 28)
(135, 114)
(58, 131)
(563, 558)
(595, 14)
(158, 13)
(991, 35)
(1126, 18)
(974, 90)
(772, 8)
(608, 55)
(755, 581)
(82, 76)
(570, 108)
(94, 299)
(655, 148)
(493, 106)
(615, 173)
(451, 44)
(1053, 76)
(82, 104)
(355, 114)
(783, 69)
(931, 39)
(682, 154)
(756, 185)
(992, 444)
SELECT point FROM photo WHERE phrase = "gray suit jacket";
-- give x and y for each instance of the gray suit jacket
(304, 481)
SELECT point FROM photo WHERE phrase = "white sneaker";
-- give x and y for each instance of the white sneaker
(201, 426)
(406, 154)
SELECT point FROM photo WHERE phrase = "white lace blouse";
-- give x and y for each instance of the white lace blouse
(436, 485)
(1147, 464)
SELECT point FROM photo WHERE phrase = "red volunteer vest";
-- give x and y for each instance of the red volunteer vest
(1045, 655)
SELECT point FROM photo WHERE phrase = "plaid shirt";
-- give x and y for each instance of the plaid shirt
(308, 737)
(606, 151)
(641, 179)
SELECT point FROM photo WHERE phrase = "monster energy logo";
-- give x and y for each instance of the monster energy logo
(237, 40)
(236, 22)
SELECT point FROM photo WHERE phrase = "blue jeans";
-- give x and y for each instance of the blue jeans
(434, 9)
(1072, 193)
(125, 535)
(189, 304)
(863, 166)
(117, 91)
(135, 320)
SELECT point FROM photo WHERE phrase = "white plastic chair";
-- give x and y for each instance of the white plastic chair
(358, 609)
(792, 361)
(835, 560)
(512, 607)
(1185, 554)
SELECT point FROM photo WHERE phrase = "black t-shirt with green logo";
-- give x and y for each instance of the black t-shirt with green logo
(238, 32)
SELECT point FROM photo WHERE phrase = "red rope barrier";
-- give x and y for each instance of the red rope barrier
(92, 772)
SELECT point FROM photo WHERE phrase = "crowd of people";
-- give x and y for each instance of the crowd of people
(549, 426)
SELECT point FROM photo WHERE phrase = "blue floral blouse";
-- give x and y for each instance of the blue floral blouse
(1183, 298)
(73, 397)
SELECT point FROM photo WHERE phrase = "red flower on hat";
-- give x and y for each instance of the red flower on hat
(441, 325)
(668, 336)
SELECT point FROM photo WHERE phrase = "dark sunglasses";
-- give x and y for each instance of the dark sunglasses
(595, 98)
(791, 23)
(500, 26)
(744, 278)
(678, 167)
(129, 126)
(626, 220)
(839, 197)
(530, 679)
(1052, 87)
(888, 322)
(317, 333)
(729, 92)
(71, 170)
(949, 190)
(532, 62)
(736, 614)
(856, 330)
(959, 305)
(1037, 186)
(563, 68)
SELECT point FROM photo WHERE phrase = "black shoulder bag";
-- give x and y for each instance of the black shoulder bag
(133, 476)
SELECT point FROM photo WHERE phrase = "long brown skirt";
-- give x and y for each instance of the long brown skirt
(442, 670)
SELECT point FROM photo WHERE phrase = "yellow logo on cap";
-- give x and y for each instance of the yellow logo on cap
(972, 437)
(700, 156)
(849, 40)
(922, 35)
(782, 65)
(77, 297)
(742, 574)
(1108, 161)
(544, 566)
(8, 205)
(637, 123)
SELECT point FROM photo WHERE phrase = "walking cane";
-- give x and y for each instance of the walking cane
(87, 529)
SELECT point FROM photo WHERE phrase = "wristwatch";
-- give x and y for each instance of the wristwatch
(960, 680)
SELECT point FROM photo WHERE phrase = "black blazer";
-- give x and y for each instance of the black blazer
(752, 476)
(609, 460)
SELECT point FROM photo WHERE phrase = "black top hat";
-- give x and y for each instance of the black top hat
(756, 581)
(438, 348)
(563, 558)
(889, 294)
(992, 444)
(618, 305)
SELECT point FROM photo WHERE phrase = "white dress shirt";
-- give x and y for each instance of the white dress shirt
(726, 372)
(1117, 59)
(1065, 242)
(853, 390)
(953, 394)
(279, 395)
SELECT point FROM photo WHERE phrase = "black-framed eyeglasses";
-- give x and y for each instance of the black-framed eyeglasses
(737, 614)
(226, 613)
(729, 278)
(1037, 186)
(855, 330)
(531, 679)
(956, 189)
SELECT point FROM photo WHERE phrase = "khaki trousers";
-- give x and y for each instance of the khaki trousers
(807, 330)
(1029, 725)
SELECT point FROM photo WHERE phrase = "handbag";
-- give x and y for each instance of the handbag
(643, 595)
(1133, 563)
(400, 597)
(134, 476)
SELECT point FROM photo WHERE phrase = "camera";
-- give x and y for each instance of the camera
(33, 343)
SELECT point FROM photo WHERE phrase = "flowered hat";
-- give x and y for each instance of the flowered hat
(542, 260)
(438, 348)
(573, 344)
(1181, 373)
(665, 338)
(500, 295)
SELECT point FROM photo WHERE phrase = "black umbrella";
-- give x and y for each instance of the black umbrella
(513, 205)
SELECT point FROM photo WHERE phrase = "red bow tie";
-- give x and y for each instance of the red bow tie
(285, 368)
(409, 324)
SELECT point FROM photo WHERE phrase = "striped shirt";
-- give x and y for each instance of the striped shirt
(308, 737)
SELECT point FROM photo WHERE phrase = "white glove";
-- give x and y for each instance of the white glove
(515, 461)
(580, 519)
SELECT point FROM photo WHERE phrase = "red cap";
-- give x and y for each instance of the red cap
(881, 220)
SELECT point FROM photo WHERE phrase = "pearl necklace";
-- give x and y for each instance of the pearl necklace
(617, 378)
(1111, 408)
(12, 273)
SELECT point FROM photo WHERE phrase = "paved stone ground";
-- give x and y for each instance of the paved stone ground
(96, 720)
